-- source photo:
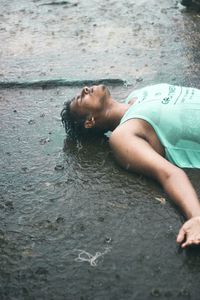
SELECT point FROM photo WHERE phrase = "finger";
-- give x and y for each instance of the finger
(187, 243)
(181, 235)
(197, 242)
(184, 245)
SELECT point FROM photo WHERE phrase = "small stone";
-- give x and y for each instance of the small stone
(108, 240)
(9, 204)
(161, 200)
(31, 122)
(139, 79)
(59, 167)
(44, 141)
(60, 220)
(155, 292)
(101, 219)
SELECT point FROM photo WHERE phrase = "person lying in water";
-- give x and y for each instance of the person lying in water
(155, 132)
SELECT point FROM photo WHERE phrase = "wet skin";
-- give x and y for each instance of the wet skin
(91, 99)
(137, 147)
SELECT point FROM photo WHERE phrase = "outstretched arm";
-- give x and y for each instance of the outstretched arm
(136, 153)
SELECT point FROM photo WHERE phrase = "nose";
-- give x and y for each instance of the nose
(86, 90)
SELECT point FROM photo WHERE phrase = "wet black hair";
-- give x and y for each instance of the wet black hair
(74, 124)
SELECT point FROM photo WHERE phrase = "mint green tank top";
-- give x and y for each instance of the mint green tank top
(174, 114)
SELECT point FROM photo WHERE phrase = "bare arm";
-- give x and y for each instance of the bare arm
(136, 153)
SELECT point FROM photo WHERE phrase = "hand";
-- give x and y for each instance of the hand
(189, 234)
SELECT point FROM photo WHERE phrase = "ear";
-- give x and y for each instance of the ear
(89, 123)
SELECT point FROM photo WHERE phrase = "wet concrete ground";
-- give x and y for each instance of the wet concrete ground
(74, 225)
(155, 40)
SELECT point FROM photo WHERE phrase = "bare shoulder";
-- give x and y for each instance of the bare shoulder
(127, 129)
(135, 151)
(136, 129)
(119, 137)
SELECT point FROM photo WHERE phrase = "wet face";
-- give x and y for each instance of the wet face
(90, 101)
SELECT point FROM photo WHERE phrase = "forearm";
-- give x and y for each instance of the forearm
(178, 186)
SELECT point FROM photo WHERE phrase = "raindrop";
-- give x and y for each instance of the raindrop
(108, 240)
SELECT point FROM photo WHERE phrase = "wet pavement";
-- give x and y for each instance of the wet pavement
(73, 224)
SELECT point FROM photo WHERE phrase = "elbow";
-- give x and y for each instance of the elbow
(174, 173)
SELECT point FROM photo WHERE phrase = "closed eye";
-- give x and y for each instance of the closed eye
(78, 98)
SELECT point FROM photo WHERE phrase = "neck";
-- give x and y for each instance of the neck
(113, 113)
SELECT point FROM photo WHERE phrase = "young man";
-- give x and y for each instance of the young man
(155, 133)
